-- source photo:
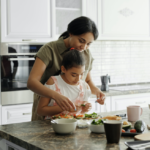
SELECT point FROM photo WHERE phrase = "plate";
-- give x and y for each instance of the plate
(130, 144)
(128, 133)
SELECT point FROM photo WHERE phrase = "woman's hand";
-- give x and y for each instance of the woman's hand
(63, 102)
(100, 95)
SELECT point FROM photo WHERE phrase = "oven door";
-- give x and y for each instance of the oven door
(15, 71)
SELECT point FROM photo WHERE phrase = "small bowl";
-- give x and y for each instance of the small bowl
(97, 128)
(64, 126)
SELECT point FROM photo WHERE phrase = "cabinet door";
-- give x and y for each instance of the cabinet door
(25, 20)
(123, 19)
(121, 102)
(16, 113)
(66, 11)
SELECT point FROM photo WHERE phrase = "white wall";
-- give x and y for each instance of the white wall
(125, 61)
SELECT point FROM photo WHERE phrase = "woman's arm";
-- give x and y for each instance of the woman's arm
(36, 86)
(95, 90)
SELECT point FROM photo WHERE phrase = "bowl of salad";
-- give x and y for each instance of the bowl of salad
(97, 126)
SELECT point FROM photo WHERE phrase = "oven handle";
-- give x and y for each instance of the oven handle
(32, 58)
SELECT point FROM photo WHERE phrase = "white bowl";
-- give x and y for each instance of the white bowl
(97, 128)
(64, 126)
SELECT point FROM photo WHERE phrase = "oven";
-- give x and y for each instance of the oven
(16, 63)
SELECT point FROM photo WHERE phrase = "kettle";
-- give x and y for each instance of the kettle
(104, 81)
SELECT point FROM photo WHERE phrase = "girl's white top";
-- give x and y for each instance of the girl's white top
(70, 91)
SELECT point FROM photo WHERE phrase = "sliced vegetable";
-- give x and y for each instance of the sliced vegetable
(133, 130)
(83, 105)
(123, 131)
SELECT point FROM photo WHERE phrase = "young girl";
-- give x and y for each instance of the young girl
(69, 84)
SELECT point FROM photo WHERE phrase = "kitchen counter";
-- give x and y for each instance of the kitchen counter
(116, 91)
(39, 135)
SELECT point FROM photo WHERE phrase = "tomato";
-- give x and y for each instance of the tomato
(133, 130)
(123, 131)
(74, 115)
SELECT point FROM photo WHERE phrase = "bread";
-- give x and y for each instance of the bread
(112, 118)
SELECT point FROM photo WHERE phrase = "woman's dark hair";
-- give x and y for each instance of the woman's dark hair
(80, 26)
(73, 58)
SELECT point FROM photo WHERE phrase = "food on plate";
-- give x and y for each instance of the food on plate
(112, 118)
(126, 125)
(78, 116)
(123, 131)
(98, 122)
(91, 116)
(59, 116)
(139, 126)
(133, 130)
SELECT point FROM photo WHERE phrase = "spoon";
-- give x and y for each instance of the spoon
(53, 121)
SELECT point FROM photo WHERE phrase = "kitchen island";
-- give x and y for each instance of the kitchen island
(39, 135)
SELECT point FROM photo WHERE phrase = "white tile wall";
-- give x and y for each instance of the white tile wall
(125, 61)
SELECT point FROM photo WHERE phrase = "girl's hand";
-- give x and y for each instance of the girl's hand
(63, 102)
(100, 95)
(86, 108)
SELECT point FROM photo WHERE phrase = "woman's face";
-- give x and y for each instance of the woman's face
(81, 42)
(73, 75)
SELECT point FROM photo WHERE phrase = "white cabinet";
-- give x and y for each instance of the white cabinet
(123, 19)
(16, 113)
(26, 20)
(96, 107)
(66, 11)
(37, 20)
(121, 102)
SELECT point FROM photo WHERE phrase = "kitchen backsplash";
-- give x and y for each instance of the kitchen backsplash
(125, 61)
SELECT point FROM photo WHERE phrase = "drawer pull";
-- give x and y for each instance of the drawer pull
(140, 102)
(26, 113)
(29, 40)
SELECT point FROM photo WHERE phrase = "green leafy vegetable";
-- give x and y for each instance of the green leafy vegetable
(93, 115)
(98, 122)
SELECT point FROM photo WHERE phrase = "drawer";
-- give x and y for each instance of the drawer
(16, 113)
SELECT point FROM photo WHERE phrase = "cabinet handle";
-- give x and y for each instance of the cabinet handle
(26, 113)
(29, 40)
(140, 102)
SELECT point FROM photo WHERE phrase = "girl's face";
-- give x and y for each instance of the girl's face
(81, 42)
(73, 75)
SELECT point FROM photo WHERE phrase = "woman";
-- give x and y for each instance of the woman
(81, 32)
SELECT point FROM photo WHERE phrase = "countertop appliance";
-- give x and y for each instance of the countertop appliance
(104, 81)
(16, 61)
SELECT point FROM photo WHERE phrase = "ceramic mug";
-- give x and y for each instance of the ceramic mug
(134, 112)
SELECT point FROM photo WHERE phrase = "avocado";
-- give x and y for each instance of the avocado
(139, 126)
(126, 127)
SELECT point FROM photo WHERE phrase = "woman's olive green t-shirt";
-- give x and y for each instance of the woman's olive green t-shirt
(52, 54)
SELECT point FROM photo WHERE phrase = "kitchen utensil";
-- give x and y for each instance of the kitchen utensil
(64, 126)
(135, 144)
(53, 121)
(113, 130)
(143, 137)
(134, 112)
(104, 81)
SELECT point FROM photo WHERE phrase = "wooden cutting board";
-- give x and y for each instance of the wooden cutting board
(142, 137)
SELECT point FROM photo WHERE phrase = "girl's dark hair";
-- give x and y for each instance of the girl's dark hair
(80, 26)
(73, 58)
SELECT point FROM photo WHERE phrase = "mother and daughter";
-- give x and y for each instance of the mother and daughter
(66, 92)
